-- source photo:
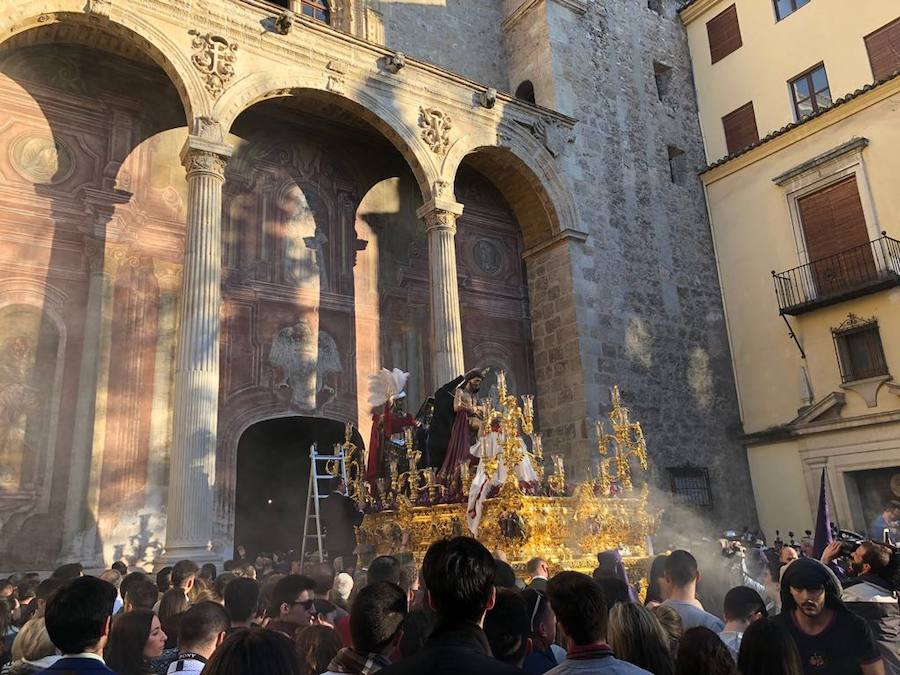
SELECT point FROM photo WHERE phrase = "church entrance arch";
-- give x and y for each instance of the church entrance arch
(272, 480)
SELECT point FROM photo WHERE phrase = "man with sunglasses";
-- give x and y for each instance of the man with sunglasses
(291, 606)
(543, 634)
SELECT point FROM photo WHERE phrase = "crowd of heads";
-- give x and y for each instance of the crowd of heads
(399, 617)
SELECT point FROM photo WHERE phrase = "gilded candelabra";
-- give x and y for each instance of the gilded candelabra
(616, 449)
(513, 418)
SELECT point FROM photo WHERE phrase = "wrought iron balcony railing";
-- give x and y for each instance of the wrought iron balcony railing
(849, 274)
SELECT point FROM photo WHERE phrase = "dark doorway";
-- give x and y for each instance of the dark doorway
(273, 478)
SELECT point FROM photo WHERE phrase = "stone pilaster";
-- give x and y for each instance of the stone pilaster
(190, 508)
(446, 331)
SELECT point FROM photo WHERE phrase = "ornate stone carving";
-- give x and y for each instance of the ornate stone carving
(40, 158)
(284, 22)
(214, 56)
(488, 98)
(395, 62)
(439, 219)
(442, 189)
(209, 129)
(487, 256)
(551, 135)
(435, 126)
(336, 72)
(204, 161)
(98, 7)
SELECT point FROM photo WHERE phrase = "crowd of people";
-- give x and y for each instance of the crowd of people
(464, 610)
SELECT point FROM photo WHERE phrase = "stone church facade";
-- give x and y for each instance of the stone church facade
(217, 213)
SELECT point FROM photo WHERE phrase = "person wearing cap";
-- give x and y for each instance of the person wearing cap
(830, 638)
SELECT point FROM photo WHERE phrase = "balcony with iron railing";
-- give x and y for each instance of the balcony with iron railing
(849, 274)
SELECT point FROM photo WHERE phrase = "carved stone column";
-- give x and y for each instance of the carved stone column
(446, 331)
(192, 467)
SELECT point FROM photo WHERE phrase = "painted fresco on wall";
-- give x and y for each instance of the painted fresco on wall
(29, 345)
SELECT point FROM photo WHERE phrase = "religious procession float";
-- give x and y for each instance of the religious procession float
(465, 486)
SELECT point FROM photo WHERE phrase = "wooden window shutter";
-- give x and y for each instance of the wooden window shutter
(884, 50)
(740, 128)
(724, 34)
(834, 226)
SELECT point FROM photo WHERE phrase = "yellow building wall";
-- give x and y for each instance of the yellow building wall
(754, 234)
(774, 52)
(779, 489)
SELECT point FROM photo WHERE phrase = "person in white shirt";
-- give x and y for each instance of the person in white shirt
(201, 631)
(742, 607)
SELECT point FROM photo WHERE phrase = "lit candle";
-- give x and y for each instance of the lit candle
(601, 445)
(501, 383)
(408, 436)
(538, 445)
(528, 402)
(348, 431)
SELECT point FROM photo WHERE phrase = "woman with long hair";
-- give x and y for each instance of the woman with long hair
(636, 636)
(134, 640)
(317, 645)
(702, 651)
(174, 603)
(255, 650)
(656, 592)
(768, 649)
(33, 651)
(670, 620)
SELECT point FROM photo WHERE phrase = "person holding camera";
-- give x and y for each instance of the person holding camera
(870, 594)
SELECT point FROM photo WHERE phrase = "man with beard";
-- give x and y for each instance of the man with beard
(869, 593)
(441, 423)
(465, 424)
(830, 638)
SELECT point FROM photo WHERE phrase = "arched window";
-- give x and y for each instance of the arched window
(525, 91)
(316, 9)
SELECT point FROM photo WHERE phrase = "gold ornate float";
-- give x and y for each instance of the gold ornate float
(566, 524)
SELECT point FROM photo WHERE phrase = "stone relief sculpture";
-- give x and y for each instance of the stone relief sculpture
(214, 57)
(294, 360)
(435, 126)
(328, 365)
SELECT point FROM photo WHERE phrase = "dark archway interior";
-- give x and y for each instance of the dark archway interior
(273, 479)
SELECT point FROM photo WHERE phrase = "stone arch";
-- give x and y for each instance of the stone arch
(251, 89)
(528, 177)
(126, 34)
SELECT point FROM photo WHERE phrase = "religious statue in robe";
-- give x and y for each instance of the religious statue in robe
(389, 419)
(466, 423)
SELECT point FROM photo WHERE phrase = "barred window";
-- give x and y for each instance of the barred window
(857, 343)
(690, 485)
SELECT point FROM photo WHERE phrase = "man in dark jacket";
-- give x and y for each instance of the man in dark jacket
(441, 423)
(339, 517)
(870, 595)
(459, 576)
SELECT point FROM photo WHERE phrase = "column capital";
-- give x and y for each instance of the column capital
(202, 156)
(440, 214)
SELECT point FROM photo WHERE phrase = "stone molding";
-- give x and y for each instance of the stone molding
(577, 7)
(867, 388)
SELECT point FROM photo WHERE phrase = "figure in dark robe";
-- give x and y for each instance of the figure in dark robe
(466, 423)
(441, 423)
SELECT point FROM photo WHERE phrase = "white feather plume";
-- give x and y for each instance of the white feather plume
(386, 385)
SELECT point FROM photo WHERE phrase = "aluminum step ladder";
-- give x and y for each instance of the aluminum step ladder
(322, 468)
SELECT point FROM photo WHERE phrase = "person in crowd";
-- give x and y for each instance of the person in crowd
(384, 568)
(339, 516)
(44, 592)
(409, 582)
(787, 554)
(701, 651)
(831, 639)
(341, 588)
(582, 615)
(635, 636)
(505, 575)
(33, 650)
(287, 611)
(417, 627)
(768, 649)
(539, 571)
(164, 579)
(208, 573)
(545, 653)
(115, 578)
(184, 574)
(886, 520)
(252, 651)
(135, 639)
(141, 594)
(68, 571)
(614, 590)
(202, 629)
(127, 582)
(120, 567)
(742, 607)
(670, 620)
(78, 618)
(173, 603)
(459, 577)
(242, 602)
(26, 591)
(507, 627)
(376, 625)
(869, 593)
(7, 631)
(317, 646)
(771, 580)
(656, 582)
(682, 575)
(218, 589)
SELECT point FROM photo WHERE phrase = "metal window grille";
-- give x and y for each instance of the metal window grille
(690, 485)
(857, 344)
